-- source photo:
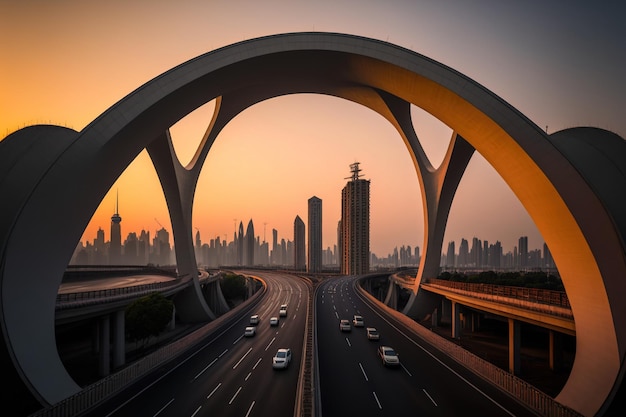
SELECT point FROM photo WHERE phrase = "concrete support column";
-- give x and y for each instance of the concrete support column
(515, 340)
(119, 339)
(555, 350)
(445, 308)
(104, 361)
(172, 324)
(456, 320)
(434, 319)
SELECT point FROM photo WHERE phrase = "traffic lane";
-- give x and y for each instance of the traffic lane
(392, 391)
(343, 388)
(259, 388)
(451, 387)
(170, 399)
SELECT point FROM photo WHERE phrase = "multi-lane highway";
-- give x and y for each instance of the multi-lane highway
(353, 380)
(229, 374)
(232, 375)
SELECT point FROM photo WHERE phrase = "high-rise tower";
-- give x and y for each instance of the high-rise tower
(115, 246)
(299, 252)
(249, 244)
(315, 235)
(355, 224)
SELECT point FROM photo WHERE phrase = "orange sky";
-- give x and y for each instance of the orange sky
(66, 62)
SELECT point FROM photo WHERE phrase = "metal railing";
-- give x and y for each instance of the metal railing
(532, 295)
(79, 299)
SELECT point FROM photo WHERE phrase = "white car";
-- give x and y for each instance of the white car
(282, 358)
(274, 321)
(344, 326)
(283, 311)
(250, 331)
(254, 319)
(358, 321)
(388, 356)
(372, 333)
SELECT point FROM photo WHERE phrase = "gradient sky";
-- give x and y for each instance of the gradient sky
(561, 63)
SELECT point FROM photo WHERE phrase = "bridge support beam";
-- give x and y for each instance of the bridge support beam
(104, 350)
(456, 320)
(555, 350)
(119, 339)
(515, 339)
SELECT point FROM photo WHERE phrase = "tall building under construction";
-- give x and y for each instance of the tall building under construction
(355, 224)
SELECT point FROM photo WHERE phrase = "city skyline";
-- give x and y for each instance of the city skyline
(564, 72)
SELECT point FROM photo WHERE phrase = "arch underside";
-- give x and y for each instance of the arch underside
(571, 216)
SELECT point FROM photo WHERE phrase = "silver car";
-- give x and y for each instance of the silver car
(281, 359)
(388, 356)
(372, 333)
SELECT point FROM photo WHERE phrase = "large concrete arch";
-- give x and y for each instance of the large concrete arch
(581, 221)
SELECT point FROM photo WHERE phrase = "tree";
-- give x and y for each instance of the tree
(147, 317)
(233, 287)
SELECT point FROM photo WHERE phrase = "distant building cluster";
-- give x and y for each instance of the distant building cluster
(350, 256)
(483, 255)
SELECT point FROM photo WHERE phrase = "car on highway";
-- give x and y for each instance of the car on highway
(388, 356)
(274, 321)
(283, 310)
(281, 359)
(344, 325)
(358, 321)
(254, 319)
(250, 331)
(372, 333)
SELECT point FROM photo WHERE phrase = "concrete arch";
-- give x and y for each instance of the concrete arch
(577, 221)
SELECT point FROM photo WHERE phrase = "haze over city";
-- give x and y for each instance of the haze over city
(559, 63)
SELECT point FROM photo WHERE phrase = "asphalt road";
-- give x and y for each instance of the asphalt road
(354, 382)
(229, 374)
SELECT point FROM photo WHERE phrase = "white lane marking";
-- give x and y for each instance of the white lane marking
(247, 376)
(242, 358)
(348, 342)
(405, 370)
(238, 339)
(196, 412)
(269, 344)
(164, 407)
(363, 370)
(234, 396)
(377, 402)
(431, 398)
(337, 315)
(214, 389)
(256, 364)
(250, 409)
(207, 367)
(223, 353)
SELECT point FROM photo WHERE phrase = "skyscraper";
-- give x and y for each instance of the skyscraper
(115, 246)
(315, 235)
(249, 245)
(240, 245)
(523, 252)
(355, 224)
(298, 242)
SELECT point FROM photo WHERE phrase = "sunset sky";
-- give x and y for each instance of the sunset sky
(561, 63)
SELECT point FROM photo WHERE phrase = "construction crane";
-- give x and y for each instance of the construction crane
(155, 219)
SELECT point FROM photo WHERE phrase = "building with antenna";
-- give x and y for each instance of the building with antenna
(355, 224)
(115, 246)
